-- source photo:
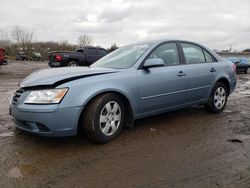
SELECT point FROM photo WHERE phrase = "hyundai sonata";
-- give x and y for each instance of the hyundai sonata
(132, 82)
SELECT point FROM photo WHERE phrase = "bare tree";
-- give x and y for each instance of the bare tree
(85, 40)
(113, 47)
(4, 39)
(23, 38)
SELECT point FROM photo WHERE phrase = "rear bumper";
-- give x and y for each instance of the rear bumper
(55, 64)
(58, 123)
(2, 62)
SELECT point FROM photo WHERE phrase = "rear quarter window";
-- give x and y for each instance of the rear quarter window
(209, 58)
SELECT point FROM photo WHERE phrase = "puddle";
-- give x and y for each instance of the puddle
(8, 134)
(27, 169)
(227, 111)
(246, 92)
(15, 173)
(240, 138)
(245, 137)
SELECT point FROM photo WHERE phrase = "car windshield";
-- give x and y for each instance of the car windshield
(123, 57)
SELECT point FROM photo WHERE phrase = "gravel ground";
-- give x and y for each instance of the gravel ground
(185, 148)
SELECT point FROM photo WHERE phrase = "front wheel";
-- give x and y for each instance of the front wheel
(218, 98)
(104, 118)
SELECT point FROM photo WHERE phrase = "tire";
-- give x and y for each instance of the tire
(99, 123)
(246, 71)
(219, 91)
(73, 64)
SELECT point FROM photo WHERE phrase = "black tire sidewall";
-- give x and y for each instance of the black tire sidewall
(94, 131)
(211, 104)
(246, 71)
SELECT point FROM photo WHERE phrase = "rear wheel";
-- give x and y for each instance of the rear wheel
(246, 71)
(218, 98)
(73, 64)
(103, 119)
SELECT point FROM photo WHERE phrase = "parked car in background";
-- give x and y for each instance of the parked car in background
(81, 57)
(132, 82)
(3, 57)
(21, 56)
(242, 64)
(36, 56)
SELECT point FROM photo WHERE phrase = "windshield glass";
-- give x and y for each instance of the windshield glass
(123, 57)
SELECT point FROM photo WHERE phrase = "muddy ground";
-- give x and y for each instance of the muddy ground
(185, 148)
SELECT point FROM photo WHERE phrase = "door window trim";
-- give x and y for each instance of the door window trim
(163, 43)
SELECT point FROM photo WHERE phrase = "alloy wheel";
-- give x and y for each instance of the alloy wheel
(110, 118)
(220, 97)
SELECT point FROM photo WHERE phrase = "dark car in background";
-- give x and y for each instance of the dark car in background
(3, 58)
(81, 57)
(242, 64)
(21, 56)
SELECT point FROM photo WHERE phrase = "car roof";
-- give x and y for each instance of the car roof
(83, 48)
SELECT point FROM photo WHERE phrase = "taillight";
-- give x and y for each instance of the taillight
(58, 58)
(234, 67)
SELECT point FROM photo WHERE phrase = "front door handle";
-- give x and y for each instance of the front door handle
(212, 70)
(181, 74)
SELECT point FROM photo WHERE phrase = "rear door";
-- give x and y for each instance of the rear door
(162, 87)
(200, 69)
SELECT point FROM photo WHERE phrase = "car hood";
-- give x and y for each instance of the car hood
(57, 76)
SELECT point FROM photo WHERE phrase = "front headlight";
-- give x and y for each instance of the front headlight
(48, 96)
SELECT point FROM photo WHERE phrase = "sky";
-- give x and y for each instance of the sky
(217, 24)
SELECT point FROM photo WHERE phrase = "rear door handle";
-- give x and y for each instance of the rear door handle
(212, 70)
(181, 74)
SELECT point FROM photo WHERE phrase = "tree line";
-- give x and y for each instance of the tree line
(21, 39)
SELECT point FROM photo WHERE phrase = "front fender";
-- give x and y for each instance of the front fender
(81, 91)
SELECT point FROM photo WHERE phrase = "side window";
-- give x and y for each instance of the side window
(92, 51)
(168, 53)
(193, 54)
(209, 58)
(102, 52)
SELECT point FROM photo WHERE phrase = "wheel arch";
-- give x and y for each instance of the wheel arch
(226, 82)
(73, 59)
(129, 111)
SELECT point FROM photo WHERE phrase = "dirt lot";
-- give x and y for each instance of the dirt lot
(186, 148)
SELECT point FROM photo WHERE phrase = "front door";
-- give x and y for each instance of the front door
(162, 87)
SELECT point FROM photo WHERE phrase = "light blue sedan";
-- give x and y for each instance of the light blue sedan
(132, 82)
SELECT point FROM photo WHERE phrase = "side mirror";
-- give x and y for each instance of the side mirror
(153, 62)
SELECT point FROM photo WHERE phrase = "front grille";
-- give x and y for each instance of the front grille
(18, 93)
